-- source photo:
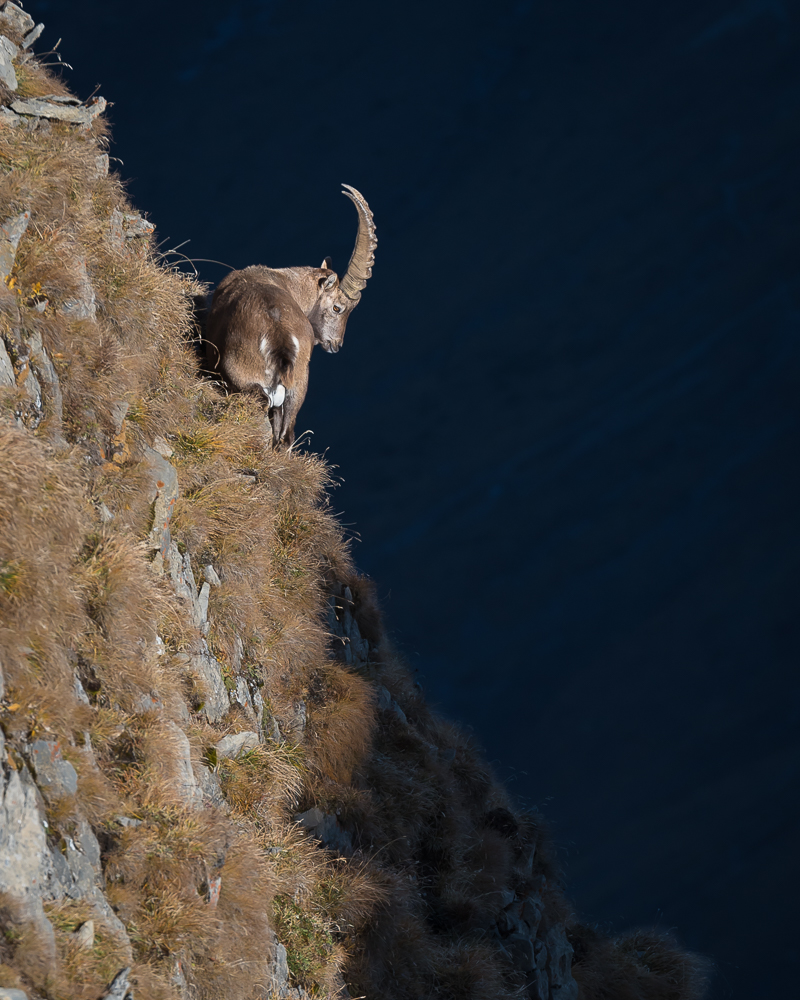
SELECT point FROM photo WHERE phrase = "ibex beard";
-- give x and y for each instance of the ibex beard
(264, 322)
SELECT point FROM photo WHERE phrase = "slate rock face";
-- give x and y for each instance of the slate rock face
(11, 232)
(24, 855)
(16, 18)
(55, 776)
(7, 53)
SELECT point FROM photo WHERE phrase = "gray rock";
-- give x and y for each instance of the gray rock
(59, 109)
(269, 726)
(34, 391)
(101, 165)
(8, 53)
(83, 305)
(13, 995)
(280, 968)
(105, 513)
(186, 783)
(147, 702)
(538, 988)
(209, 672)
(118, 989)
(89, 845)
(9, 118)
(244, 698)
(84, 935)
(359, 646)
(61, 876)
(310, 819)
(210, 575)
(181, 711)
(300, 719)
(20, 20)
(520, 948)
(74, 875)
(202, 602)
(188, 577)
(11, 232)
(162, 446)
(116, 237)
(386, 703)
(177, 566)
(327, 828)
(509, 923)
(46, 370)
(344, 626)
(126, 821)
(24, 856)
(559, 965)
(177, 977)
(507, 897)
(237, 743)
(76, 869)
(133, 225)
(163, 475)
(210, 788)
(163, 491)
(532, 912)
(238, 654)
(32, 35)
(54, 775)
(6, 368)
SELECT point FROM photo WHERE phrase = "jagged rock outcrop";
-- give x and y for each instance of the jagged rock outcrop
(216, 776)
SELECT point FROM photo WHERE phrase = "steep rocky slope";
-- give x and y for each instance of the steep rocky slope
(218, 779)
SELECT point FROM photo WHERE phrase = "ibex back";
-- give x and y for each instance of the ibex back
(264, 322)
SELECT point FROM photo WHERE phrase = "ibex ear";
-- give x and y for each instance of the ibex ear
(326, 264)
(330, 281)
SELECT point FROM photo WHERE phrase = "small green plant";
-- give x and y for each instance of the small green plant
(10, 576)
(307, 939)
(203, 442)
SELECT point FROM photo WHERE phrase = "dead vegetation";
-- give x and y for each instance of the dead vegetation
(96, 649)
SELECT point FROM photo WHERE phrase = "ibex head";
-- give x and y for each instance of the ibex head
(337, 299)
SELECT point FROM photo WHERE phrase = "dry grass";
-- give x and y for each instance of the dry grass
(435, 840)
(637, 966)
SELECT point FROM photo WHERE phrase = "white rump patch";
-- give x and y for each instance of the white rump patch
(263, 346)
(279, 395)
(296, 343)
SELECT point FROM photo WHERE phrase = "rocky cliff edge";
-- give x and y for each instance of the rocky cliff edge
(217, 778)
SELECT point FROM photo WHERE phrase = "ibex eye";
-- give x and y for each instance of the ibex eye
(337, 309)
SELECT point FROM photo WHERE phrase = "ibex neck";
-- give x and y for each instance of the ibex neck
(301, 283)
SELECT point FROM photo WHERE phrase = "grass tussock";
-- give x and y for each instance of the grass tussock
(261, 783)
(85, 966)
(637, 966)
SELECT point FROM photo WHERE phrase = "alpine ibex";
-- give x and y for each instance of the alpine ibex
(264, 322)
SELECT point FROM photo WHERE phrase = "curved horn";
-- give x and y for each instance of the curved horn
(363, 257)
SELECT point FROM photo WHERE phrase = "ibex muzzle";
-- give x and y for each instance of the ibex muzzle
(264, 322)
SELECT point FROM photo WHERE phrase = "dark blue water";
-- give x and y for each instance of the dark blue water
(566, 411)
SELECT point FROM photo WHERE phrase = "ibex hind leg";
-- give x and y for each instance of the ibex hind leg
(277, 421)
(283, 421)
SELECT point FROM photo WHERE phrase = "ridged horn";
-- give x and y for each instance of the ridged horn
(360, 267)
